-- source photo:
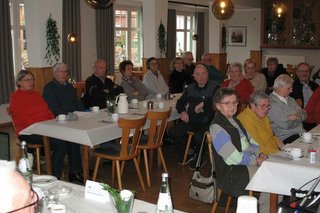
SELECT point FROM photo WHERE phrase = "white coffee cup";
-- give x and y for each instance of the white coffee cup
(95, 109)
(161, 104)
(144, 104)
(134, 101)
(159, 96)
(61, 117)
(58, 208)
(115, 117)
(306, 136)
(296, 152)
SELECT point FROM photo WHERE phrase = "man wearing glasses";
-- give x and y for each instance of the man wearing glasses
(15, 194)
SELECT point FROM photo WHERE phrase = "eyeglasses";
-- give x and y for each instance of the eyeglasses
(31, 204)
(230, 104)
(28, 80)
(154, 63)
(264, 106)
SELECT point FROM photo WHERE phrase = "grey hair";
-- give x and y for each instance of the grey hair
(257, 96)
(204, 55)
(187, 53)
(59, 66)
(283, 80)
(235, 64)
(200, 66)
(21, 74)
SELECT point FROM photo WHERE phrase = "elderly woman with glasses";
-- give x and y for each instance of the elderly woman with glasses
(237, 155)
(238, 82)
(256, 121)
(286, 115)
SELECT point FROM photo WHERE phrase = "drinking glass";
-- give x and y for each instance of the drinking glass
(111, 107)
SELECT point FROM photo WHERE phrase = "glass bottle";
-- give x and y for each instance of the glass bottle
(24, 165)
(164, 204)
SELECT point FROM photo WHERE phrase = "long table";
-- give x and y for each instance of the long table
(89, 130)
(76, 202)
(278, 174)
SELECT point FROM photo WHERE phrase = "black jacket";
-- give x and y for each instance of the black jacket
(297, 89)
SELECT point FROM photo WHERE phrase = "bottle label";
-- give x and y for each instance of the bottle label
(164, 202)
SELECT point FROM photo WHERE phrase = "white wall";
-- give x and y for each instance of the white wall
(251, 19)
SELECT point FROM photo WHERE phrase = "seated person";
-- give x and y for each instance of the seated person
(214, 73)
(61, 98)
(154, 80)
(195, 108)
(255, 120)
(236, 154)
(236, 81)
(257, 79)
(133, 87)
(285, 114)
(303, 88)
(313, 107)
(99, 87)
(177, 78)
(15, 194)
(189, 66)
(272, 71)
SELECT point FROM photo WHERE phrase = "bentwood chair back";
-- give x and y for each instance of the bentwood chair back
(158, 123)
(229, 198)
(30, 145)
(123, 151)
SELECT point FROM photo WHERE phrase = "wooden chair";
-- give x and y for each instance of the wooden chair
(30, 145)
(229, 198)
(158, 122)
(123, 151)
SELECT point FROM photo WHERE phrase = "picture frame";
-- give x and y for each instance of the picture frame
(237, 36)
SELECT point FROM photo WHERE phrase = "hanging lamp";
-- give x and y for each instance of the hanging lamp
(222, 9)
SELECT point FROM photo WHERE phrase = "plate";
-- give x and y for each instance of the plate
(303, 141)
(43, 180)
(62, 190)
(296, 158)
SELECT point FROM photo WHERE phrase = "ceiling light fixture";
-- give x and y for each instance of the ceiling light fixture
(100, 4)
(222, 9)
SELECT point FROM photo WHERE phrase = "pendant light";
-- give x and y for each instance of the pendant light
(222, 9)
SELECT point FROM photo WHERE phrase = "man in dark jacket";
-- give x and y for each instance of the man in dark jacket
(99, 88)
(61, 98)
(196, 110)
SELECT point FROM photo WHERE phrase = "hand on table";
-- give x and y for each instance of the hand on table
(262, 157)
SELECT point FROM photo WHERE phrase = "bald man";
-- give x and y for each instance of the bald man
(99, 87)
(15, 192)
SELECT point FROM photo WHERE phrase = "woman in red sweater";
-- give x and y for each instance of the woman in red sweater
(313, 107)
(238, 82)
(27, 106)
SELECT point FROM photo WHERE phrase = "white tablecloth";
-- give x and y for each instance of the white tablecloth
(89, 129)
(280, 173)
(76, 203)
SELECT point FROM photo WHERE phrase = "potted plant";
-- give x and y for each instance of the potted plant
(52, 49)
(162, 43)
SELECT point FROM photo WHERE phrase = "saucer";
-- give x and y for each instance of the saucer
(296, 158)
(62, 190)
(43, 180)
(303, 141)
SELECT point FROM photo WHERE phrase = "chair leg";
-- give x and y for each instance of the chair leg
(187, 149)
(162, 160)
(112, 172)
(123, 163)
(139, 156)
(118, 175)
(139, 173)
(145, 155)
(96, 167)
(38, 161)
(228, 204)
(158, 159)
(215, 204)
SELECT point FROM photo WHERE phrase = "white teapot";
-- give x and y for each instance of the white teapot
(123, 105)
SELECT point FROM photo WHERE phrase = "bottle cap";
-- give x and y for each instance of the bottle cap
(165, 175)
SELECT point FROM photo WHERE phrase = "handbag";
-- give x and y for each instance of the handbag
(203, 188)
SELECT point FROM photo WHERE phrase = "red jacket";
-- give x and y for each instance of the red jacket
(244, 88)
(313, 107)
(28, 107)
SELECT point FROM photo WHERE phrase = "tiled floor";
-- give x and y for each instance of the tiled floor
(180, 177)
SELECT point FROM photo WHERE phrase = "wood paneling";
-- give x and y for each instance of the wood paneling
(219, 60)
(42, 76)
(256, 55)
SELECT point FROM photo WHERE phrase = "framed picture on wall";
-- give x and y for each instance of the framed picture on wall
(237, 36)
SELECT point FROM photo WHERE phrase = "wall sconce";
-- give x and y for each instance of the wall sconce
(72, 38)
(279, 8)
(222, 9)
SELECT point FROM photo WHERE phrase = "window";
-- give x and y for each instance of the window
(185, 31)
(18, 35)
(128, 35)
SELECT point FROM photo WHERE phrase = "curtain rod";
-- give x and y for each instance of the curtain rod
(190, 4)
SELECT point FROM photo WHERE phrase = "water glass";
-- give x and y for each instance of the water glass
(111, 107)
